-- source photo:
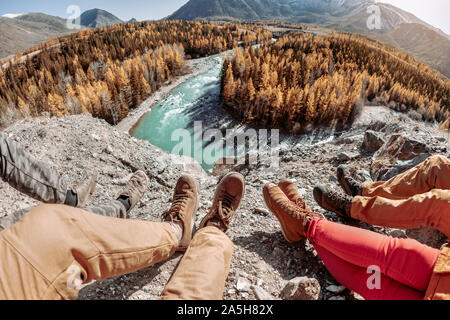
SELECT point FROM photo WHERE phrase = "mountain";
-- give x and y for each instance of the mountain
(22, 31)
(397, 27)
(27, 30)
(96, 18)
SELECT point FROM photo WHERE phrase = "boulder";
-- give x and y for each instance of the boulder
(372, 142)
(262, 294)
(301, 288)
(399, 154)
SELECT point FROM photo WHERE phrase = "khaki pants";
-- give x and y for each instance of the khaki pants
(419, 197)
(54, 249)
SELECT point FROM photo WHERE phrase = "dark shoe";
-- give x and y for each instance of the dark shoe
(184, 208)
(85, 188)
(350, 185)
(293, 217)
(227, 200)
(330, 200)
(135, 188)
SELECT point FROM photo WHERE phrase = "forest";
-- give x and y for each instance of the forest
(301, 81)
(109, 71)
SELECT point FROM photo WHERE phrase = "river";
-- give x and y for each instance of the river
(170, 124)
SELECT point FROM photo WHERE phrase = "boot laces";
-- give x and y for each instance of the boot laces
(340, 199)
(224, 208)
(296, 210)
(353, 183)
(133, 186)
(175, 213)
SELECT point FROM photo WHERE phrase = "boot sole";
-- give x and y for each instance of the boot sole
(271, 208)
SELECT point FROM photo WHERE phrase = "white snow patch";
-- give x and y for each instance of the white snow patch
(12, 15)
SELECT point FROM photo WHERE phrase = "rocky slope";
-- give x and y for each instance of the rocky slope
(263, 263)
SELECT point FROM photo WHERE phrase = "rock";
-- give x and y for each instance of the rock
(261, 211)
(372, 141)
(95, 137)
(231, 291)
(377, 125)
(243, 284)
(346, 156)
(244, 295)
(335, 289)
(397, 155)
(301, 288)
(355, 296)
(440, 139)
(262, 294)
(362, 176)
(108, 149)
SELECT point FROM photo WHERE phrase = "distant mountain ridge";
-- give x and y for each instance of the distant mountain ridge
(397, 26)
(96, 18)
(24, 30)
(27, 30)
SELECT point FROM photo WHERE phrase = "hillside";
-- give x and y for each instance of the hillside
(261, 256)
(430, 46)
(111, 70)
(20, 32)
(300, 82)
(421, 43)
(28, 30)
(96, 18)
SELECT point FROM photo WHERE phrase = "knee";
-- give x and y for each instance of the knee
(436, 161)
(45, 215)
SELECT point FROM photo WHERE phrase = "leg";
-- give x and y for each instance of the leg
(433, 173)
(428, 209)
(355, 278)
(404, 260)
(115, 209)
(204, 268)
(64, 243)
(28, 175)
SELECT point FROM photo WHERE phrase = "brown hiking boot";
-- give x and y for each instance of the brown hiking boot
(227, 200)
(350, 185)
(291, 191)
(184, 208)
(293, 216)
(85, 188)
(135, 188)
(330, 200)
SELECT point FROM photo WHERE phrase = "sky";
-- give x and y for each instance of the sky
(435, 12)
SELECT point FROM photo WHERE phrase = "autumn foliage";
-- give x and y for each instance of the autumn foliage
(302, 81)
(108, 71)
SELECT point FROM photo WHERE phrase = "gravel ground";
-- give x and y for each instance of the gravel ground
(263, 261)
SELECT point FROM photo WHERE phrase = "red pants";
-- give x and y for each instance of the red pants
(405, 265)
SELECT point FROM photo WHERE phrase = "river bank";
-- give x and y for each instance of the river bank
(198, 66)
